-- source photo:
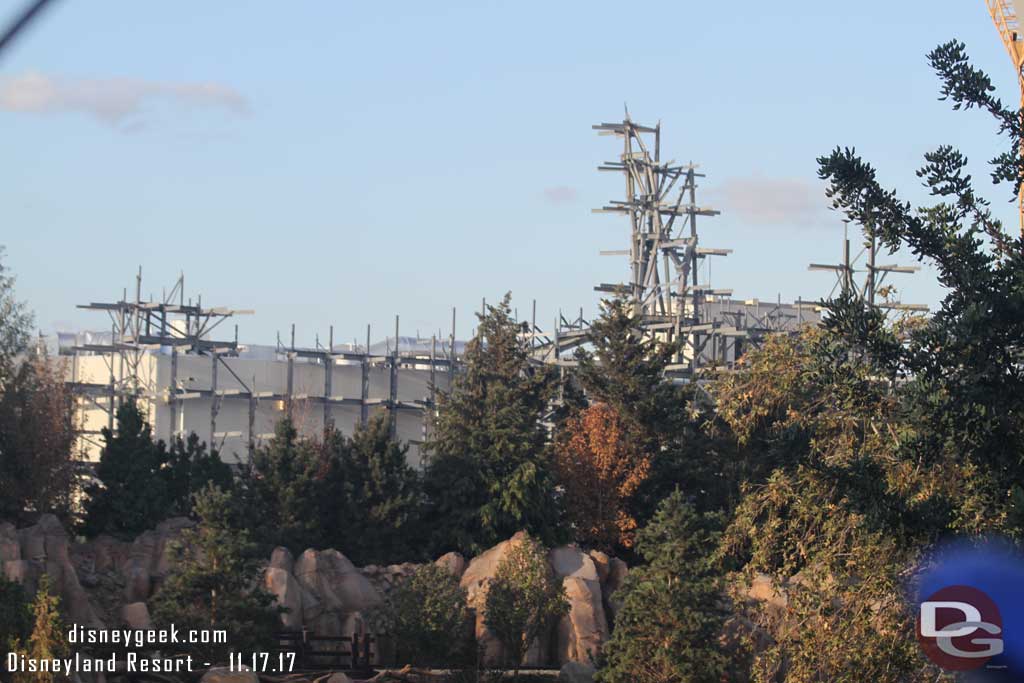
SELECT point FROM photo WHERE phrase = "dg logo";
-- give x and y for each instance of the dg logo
(959, 628)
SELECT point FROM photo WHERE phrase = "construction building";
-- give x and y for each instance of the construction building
(165, 352)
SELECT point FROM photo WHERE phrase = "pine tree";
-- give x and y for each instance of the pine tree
(132, 494)
(488, 473)
(216, 583)
(624, 369)
(190, 467)
(281, 486)
(371, 499)
(669, 623)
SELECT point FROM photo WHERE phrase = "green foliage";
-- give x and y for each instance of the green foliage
(47, 639)
(966, 379)
(523, 600)
(626, 369)
(829, 511)
(281, 483)
(488, 473)
(141, 483)
(216, 582)
(131, 495)
(428, 618)
(671, 618)
(15, 612)
(371, 498)
(866, 441)
(190, 467)
(354, 493)
(15, 325)
(38, 462)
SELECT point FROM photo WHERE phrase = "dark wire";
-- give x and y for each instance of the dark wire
(21, 22)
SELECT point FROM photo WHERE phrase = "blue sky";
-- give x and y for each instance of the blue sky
(340, 163)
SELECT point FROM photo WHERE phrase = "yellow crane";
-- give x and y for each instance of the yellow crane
(1004, 16)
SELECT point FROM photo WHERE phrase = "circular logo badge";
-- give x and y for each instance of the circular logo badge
(959, 628)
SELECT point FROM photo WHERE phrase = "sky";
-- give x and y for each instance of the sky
(340, 163)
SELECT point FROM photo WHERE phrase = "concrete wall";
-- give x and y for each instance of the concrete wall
(194, 373)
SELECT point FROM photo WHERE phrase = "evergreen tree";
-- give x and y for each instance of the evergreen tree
(281, 488)
(488, 473)
(371, 499)
(216, 582)
(625, 369)
(190, 467)
(670, 620)
(132, 493)
(141, 483)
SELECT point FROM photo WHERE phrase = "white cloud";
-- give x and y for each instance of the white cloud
(112, 101)
(561, 194)
(771, 201)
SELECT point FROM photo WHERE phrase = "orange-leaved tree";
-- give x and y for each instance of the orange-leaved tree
(601, 464)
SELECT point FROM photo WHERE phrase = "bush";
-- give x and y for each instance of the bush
(427, 616)
(47, 639)
(217, 583)
(15, 612)
(524, 600)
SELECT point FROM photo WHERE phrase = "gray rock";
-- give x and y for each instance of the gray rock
(136, 616)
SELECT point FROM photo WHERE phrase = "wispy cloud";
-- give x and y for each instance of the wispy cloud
(117, 102)
(560, 194)
(771, 201)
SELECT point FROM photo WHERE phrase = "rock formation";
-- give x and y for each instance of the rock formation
(107, 583)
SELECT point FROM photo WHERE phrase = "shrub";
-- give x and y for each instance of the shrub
(15, 612)
(427, 616)
(523, 600)
(216, 583)
(47, 639)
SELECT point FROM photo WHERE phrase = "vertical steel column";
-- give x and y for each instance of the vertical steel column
(393, 386)
(364, 390)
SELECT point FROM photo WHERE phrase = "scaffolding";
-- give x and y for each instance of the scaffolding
(182, 330)
(665, 257)
(873, 291)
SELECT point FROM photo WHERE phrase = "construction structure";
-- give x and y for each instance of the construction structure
(873, 291)
(665, 259)
(164, 354)
(1005, 15)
